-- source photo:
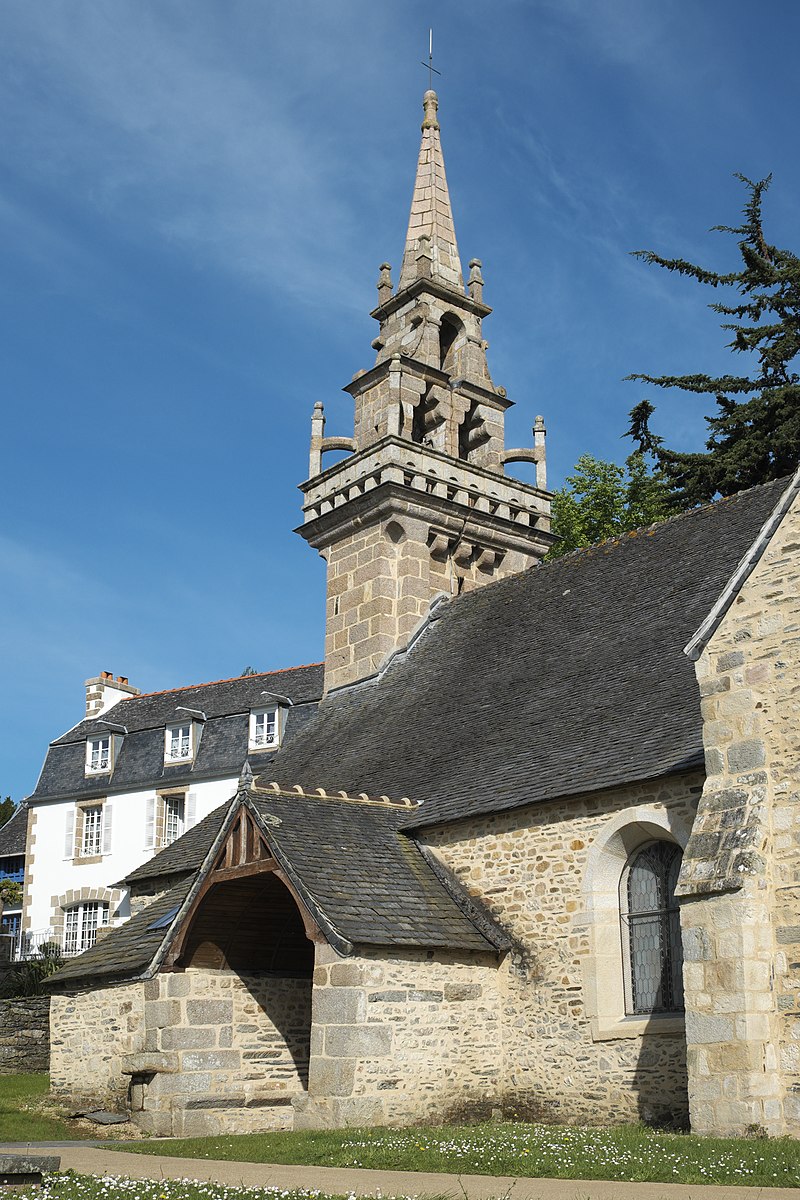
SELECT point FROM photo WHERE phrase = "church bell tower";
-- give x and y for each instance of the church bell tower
(421, 504)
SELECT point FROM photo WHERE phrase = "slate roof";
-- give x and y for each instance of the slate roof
(364, 881)
(126, 951)
(185, 854)
(13, 834)
(568, 678)
(223, 744)
(369, 882)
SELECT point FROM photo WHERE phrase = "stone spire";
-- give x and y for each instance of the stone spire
(421, 505)
(431, 215)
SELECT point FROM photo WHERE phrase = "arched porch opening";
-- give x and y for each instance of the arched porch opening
(252, 925)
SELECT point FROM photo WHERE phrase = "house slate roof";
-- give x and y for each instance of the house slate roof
(14, 833)
(364, 881)
(567, 678)
(223, 743)
(126, 951)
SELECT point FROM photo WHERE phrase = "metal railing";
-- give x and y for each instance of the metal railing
(28, 943)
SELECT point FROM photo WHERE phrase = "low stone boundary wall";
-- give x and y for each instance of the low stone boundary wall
(25, 1035)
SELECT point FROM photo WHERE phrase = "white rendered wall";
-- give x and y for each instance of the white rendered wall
(51, 873)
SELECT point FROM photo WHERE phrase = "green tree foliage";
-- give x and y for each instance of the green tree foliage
(601, 500)
(7, 810)
(28, 978)
(755, 432)
(10, 892)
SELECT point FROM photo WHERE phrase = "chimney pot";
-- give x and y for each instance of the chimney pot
(106, 675)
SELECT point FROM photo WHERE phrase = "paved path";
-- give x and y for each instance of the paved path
(90, 1159)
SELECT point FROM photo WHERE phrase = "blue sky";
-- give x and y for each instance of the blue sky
(195, 199)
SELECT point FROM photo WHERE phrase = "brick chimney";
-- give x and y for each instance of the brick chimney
(105, 691)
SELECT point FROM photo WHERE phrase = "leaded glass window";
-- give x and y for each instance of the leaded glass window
(651, 930)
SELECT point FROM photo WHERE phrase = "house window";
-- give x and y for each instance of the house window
(264, 728)
(98, 754)
(92, 839)
(178, 745)
(81, 924)
(173, 818)
(651, 930)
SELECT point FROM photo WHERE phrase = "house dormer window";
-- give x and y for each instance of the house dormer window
(179, 743)
(265, 728)
(98, 754)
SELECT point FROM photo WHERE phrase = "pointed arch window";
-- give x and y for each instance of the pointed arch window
(449, 331)
(651, 930)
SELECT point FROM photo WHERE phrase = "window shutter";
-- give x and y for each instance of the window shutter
(150, 823)
(69, 835)
(191, 810)
(106, 828)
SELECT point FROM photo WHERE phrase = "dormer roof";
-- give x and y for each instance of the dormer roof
(226, 705)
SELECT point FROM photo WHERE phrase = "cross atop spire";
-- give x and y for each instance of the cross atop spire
(431, 232)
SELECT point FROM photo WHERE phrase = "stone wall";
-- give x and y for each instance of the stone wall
(401, 1036)
(24, 1035)
(91, 1033)
(551, 873)
(221, 1053)
(741, 875)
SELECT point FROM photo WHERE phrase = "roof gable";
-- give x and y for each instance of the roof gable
(747, 564)
(354, 875)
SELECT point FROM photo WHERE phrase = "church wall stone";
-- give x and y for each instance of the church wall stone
(193, 1053)
(92, 1031)
(741, 912)
(550, 874)
(401, 1036)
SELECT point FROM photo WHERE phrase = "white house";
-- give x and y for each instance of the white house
(132, 777)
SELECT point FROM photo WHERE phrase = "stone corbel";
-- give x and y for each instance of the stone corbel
(439, 546)
(487, 560)
(462, 555)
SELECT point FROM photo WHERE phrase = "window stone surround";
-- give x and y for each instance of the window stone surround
(69, 899)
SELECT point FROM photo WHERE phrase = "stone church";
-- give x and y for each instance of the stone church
(538, 846)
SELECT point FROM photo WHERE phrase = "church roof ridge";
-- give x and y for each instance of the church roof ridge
(431, 215)
(190, 687)
(649, 530)
(276, 789)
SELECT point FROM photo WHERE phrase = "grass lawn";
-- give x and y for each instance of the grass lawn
(629, 1153)
(87, 1187)
(21, 1115)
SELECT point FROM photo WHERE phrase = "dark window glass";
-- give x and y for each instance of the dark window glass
(651, 930)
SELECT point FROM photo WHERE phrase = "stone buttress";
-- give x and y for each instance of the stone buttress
(420, 505)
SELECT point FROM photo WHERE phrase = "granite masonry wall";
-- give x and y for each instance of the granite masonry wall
(741, 874)
(550, 873)
(400, 1036)
(95, 1029)
(382, 578)
(221, 1053)
(24, 1035)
